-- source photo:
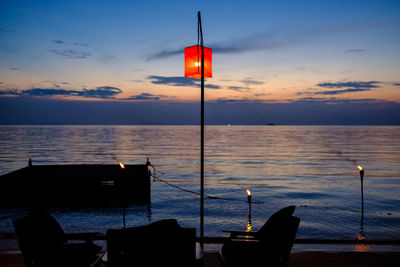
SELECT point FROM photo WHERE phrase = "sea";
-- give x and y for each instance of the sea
(311, 167)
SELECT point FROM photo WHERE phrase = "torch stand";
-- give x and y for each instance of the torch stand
(249, 218)
(362, 202)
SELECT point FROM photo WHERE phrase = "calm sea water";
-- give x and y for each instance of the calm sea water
(312, 167)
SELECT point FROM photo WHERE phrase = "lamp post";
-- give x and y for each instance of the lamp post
(198, 66)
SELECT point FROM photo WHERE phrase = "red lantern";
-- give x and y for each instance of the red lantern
(193, 62)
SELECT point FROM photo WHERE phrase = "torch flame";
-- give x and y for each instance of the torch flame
(122, 165)
(248, 192)
(360, 236)
(360, 168)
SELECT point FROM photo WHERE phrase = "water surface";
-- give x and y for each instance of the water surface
(312, 167)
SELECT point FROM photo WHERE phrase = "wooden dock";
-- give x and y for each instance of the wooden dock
(69, 185)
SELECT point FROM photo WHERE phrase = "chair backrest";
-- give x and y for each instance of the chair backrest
(38, 235)
(25, 239)
(279, 236)
(161, 243)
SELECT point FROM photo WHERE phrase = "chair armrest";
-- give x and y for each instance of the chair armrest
(236, 233)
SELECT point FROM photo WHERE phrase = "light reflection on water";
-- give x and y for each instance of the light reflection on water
(313, 168)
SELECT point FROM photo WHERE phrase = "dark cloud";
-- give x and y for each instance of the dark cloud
(173, 81)
(100, 92)
(250, 80)
(355, 51)
(9, 92)
(396, 84)
(349, 87)
(179, 81)
(336, 92)
(81, 44)
(58, 42)
(238, 88)
(70, 53)
(48, 92)
(358, 85)
(104, 92)
(165, 54)
(333, 92)
(146, 96)
(15, 69)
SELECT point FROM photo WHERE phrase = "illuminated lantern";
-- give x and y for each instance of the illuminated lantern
(193, 62)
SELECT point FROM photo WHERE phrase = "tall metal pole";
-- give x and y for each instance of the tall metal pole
(362, 199)
(202, 140)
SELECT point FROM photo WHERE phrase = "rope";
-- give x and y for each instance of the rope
(155, 177)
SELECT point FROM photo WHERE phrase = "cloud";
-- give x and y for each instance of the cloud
(166, 54)
(14, 69)
(246, 43)
(396, 84)
(334, 100)
(355, 51)
(271, 40)
(238, 88)
(104, 92)
(9, 92)
(146, 96)
(172, 81)
(349, 87)
(250, 80)
(100, 92)
(81, 44)
(179, 81)
(58, 42)
(107, 59)
(362, 85)
(333, 92)
(70, 53)
(336, 92)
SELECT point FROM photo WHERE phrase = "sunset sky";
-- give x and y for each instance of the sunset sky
(288, 62)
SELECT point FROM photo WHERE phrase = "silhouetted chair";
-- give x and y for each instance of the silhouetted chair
(162, 243)
(270, 246)
(43, 242)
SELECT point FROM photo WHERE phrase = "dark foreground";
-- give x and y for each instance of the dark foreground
(14, 259)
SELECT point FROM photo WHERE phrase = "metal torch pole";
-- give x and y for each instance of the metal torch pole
(362, 198)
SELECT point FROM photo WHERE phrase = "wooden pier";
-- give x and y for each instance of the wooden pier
(75, 185)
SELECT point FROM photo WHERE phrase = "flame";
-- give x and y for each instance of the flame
(122, 165)
(197, 64)
(248, 228)
(360, 168)
(248, 192)
(360, 236)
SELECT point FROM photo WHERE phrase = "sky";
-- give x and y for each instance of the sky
(122, 62)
